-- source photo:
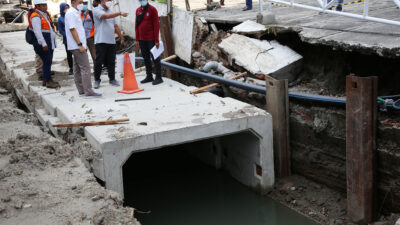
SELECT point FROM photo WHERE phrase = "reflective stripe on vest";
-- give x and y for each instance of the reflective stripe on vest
(87, 24)
(45, 23)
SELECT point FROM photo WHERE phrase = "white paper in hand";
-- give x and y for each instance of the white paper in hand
(157, 51)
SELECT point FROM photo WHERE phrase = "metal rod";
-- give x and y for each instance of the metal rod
(132, 99)
(365, 9)
(352, 15)
(19, 15)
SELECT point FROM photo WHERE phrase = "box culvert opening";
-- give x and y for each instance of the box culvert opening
(193, 183)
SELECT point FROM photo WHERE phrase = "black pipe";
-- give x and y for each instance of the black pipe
(250, 87)
(132, 99)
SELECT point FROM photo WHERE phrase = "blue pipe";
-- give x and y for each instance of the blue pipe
(250, 87)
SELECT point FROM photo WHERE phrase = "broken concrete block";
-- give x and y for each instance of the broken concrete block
(262, 57)
(266, 17)
(249, 27)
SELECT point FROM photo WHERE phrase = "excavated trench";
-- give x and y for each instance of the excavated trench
(317, 131)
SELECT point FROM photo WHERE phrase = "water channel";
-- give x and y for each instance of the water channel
(180, 190)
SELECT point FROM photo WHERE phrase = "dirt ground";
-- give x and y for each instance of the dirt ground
(318, 202)
(43, 181)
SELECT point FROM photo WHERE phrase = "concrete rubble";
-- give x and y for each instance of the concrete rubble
(262, 57)
(249, 27)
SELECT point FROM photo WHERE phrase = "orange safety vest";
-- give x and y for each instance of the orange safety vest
(87, 18)
(45, 24)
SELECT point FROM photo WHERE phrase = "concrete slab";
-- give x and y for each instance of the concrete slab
(173, 116)
(262, 57)
(127, 24)
(249, 27)
(183, 35)
(11, 27)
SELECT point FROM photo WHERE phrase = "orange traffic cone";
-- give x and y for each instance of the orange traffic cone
(130, 84)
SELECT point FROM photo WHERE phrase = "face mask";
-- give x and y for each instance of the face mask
(80, 7)
(65, 11)
(143, 3)
(108, 4)
(85, 7)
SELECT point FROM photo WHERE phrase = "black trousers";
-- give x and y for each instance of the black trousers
(105, 54)
(69, 57)
(145, 47)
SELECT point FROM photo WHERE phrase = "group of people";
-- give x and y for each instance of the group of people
(83, 29)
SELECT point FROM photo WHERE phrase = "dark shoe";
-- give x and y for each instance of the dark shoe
(114, 83)
(52, 73)
(52, 84)
(71, 72)
(94, 95)
(157, 81)
(43, 83)
(222, 2)
(147, 80)
(339, 8)
(96, 84)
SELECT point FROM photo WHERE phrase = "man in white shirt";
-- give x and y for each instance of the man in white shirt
(104, 39)
(76, 42)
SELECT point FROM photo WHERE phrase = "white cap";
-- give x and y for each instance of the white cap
(85, 0)
(38, 2)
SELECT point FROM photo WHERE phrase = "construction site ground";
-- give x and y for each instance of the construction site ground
(43, 179)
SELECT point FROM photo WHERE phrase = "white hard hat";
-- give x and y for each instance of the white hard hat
(38, 2)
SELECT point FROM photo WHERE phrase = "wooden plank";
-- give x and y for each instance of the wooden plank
(166, 36)
(198, 90)
(361, 112)
(91, 123)
(278, 106)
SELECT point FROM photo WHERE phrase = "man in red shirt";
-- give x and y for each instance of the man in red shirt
(147, 28)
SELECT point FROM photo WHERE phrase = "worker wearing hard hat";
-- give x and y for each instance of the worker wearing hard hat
(88, 25)
(106, 27)
(44, 41)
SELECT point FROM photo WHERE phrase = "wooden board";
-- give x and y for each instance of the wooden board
(166, 36)
(278, 106)
(182, 32)
(361, 112)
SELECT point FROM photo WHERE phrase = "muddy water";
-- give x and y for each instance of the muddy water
(180, 190)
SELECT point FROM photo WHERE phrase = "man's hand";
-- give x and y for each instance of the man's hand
(82, 49)
(137, 45)
(124, 14)
(46, 48)
(123, 42)
(157, 45)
